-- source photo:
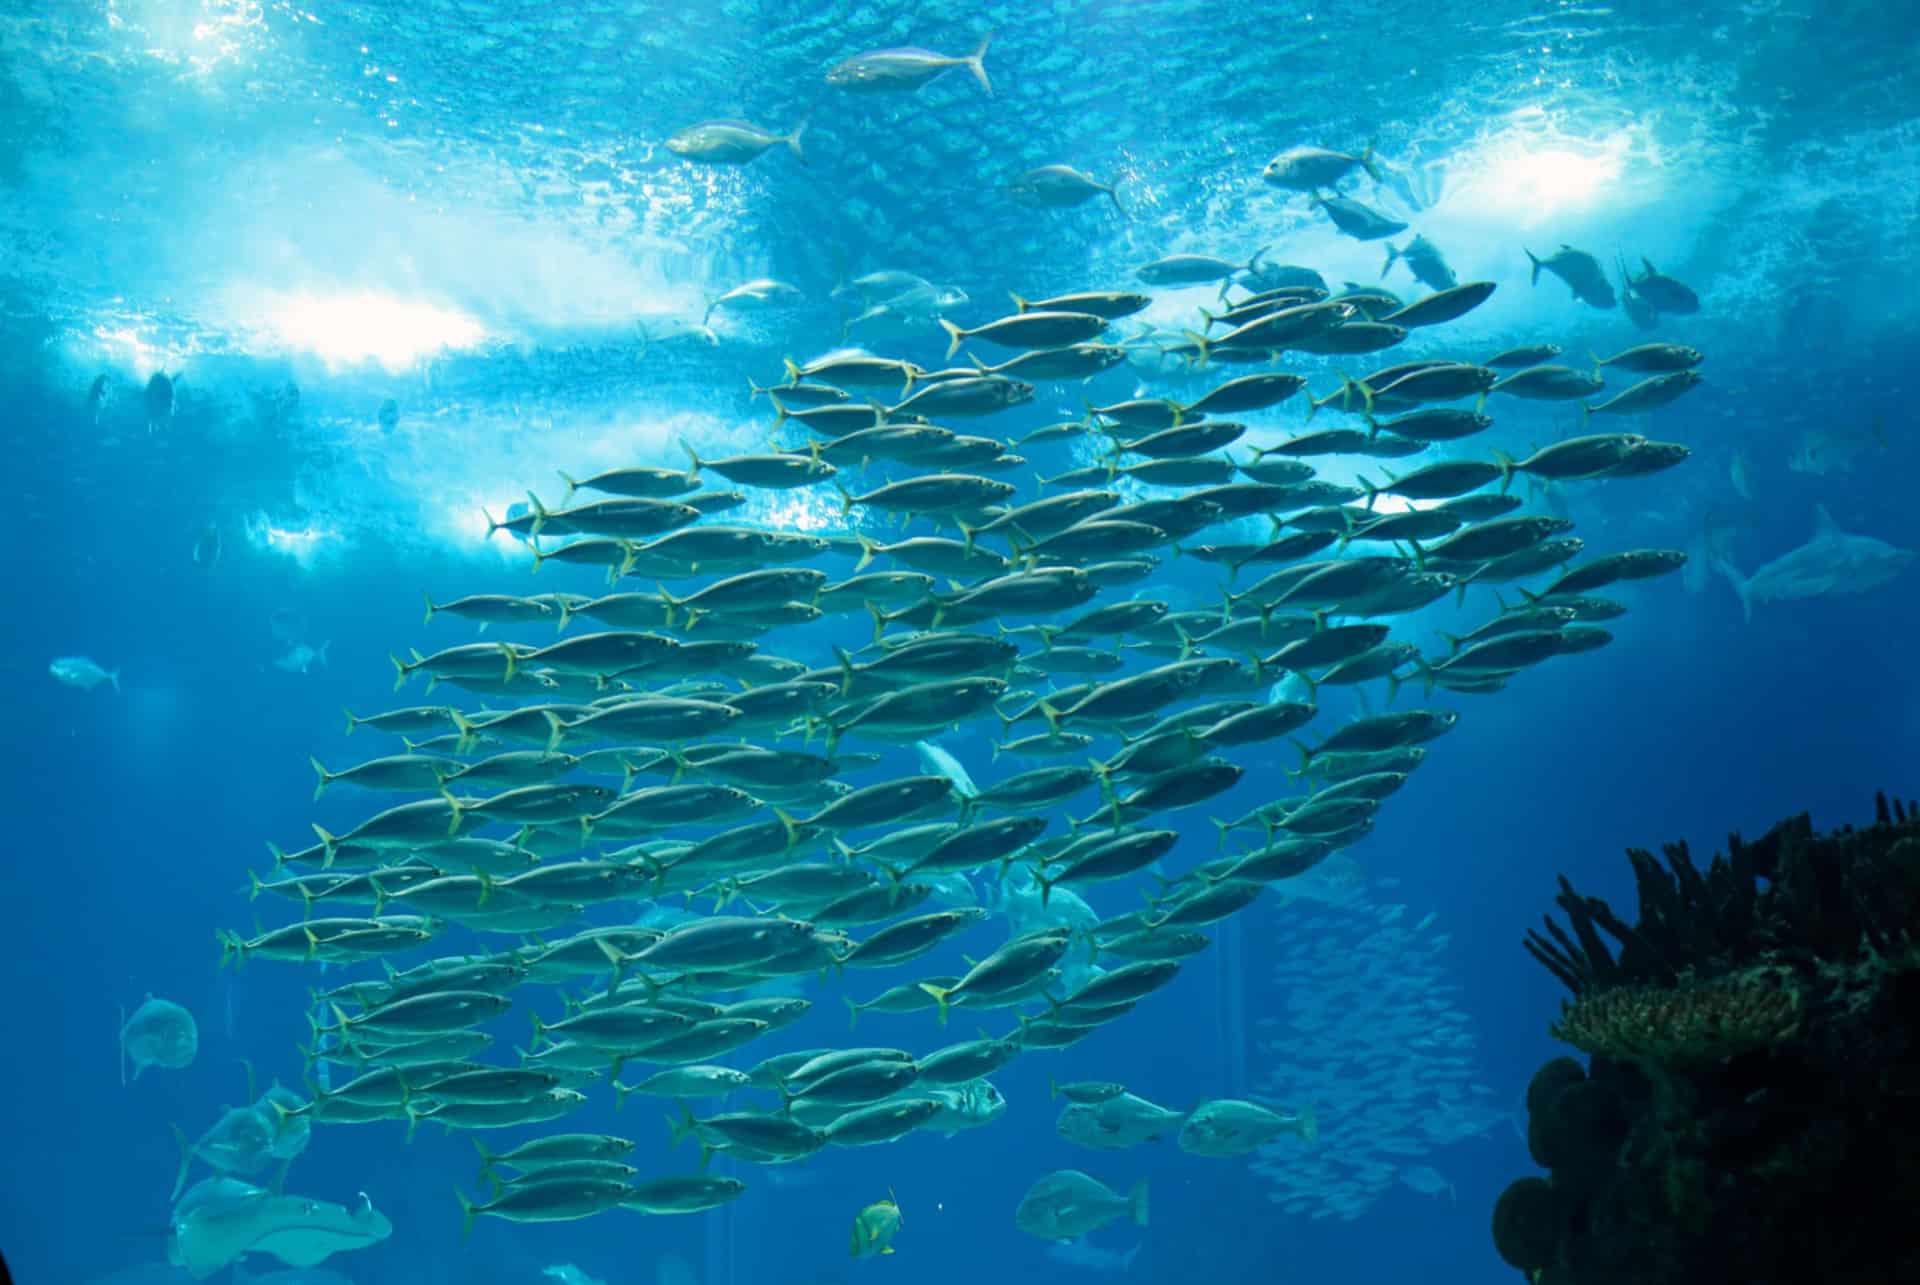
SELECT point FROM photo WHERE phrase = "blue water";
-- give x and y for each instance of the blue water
(250, 197)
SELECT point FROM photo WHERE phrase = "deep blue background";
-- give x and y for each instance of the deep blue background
(133, 817)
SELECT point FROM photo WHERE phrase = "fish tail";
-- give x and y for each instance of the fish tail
(1741, 586)
(1200, 342)
(680, 1127)
(186, 1159)
(977, 64)
(486, 1160)
(940, 996)
(324, 775)
(1368, 164)
(793, 140)
(1114, 196)
(693, 460)
(400, 680)
(1046, 884)
(1536, 265)
(1393, 257)
(956, 337)
(467, 1211)
(572, 485)
(1137, 1203)
(1306, 757)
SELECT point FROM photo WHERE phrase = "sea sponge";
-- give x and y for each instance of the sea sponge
(1579, 1130)
(1527, 1222)
(1549, 1080)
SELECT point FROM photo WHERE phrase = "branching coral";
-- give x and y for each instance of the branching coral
(1752, 1110)
(1791, 897)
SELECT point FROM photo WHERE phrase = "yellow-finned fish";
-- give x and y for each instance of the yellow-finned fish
(874, 1227)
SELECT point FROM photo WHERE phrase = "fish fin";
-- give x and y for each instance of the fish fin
(186, 1159)
(956, 337)
(1531, 258)
(977, 64)
(793, 140)
(1137, 1203)
(1741, 586)
(940, 996)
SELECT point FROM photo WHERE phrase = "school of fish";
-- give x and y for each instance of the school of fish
(695, 712)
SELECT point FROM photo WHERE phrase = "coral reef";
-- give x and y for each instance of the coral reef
(1687, 1024)
(1751, 1108)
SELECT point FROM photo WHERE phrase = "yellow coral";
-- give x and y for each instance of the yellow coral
(1682, 1026)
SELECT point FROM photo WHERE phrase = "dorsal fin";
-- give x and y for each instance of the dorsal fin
(1824, 527)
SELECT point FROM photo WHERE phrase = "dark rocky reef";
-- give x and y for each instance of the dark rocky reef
(1751, 1108)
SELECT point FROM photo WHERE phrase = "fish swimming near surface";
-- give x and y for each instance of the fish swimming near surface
(760, 293)
(1582, 273)
(159, 399)
(1061, 185)
(1832, 562)
(1307, 169)
(1361, 222)
(99, 396)
(1663, 292)
(1424, 260)
(905, 70)
(79, 671)
(733, 142)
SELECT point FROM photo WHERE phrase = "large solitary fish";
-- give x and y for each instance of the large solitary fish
(1831, 562)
